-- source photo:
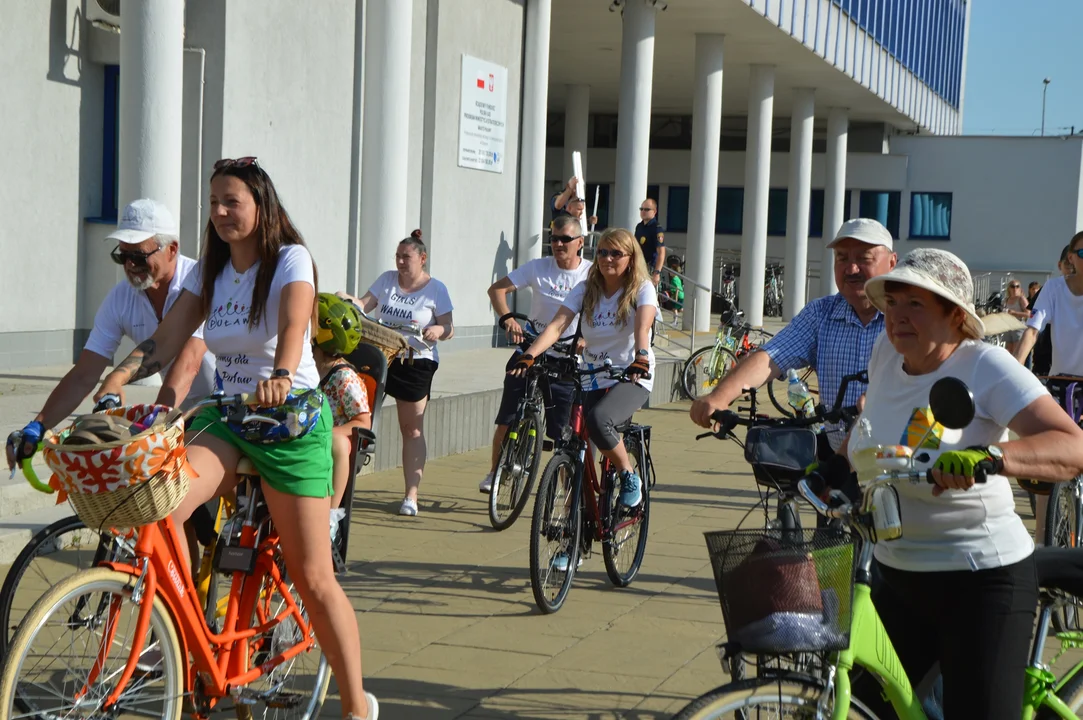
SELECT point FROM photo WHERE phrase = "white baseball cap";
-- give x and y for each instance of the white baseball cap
(864, 230)
(142, 220)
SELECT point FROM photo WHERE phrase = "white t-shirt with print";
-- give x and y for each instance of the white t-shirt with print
(550, 285)
(608, 339)
(422, 306)
(127, 312)
(244, 355)
(1058, 305)
(960, 530)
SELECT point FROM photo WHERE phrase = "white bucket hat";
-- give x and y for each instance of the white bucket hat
(938, 271)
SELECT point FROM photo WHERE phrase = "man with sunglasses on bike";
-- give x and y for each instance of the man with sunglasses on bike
(550, 279)
(148, 249)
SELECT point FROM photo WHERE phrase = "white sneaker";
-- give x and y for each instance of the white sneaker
(408, 507)
(486, 485)
(374, 709)
(336, 517)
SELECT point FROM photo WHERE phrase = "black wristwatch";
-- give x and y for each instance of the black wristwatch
(281, 373)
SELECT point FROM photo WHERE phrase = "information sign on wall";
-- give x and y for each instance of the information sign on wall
(483, 115)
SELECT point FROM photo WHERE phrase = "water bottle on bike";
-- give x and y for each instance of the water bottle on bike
(800, 399)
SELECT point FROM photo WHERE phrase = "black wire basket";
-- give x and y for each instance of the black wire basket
(784, 591)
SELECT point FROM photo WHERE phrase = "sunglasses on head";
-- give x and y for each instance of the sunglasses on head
(607, 253)
(241, 162)
(561, 239)
(135, 257)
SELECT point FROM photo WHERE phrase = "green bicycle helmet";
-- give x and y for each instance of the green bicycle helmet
(340, 325)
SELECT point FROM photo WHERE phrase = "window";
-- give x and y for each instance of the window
(110, 146)
(881, 205)
(816, 213)
(554, 130)
(776, 212)
(677, 209)
(930, 215)
(729, 211)
(603, 205)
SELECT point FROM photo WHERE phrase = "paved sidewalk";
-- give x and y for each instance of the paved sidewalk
(449, 625)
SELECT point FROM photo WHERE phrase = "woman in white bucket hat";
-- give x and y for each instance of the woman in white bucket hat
(959, 586)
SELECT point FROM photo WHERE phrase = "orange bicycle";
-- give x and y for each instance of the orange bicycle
(130, 637)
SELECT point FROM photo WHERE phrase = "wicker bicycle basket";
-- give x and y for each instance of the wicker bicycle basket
(784, 591)
(391, 343)
(128, 483)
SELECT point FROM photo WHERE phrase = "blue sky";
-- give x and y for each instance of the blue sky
(1013, 45)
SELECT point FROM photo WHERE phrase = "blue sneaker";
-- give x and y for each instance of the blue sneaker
(631, 493)
(560, 562)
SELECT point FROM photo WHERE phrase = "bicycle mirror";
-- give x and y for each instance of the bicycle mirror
(952, 403)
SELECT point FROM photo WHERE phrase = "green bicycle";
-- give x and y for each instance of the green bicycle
(820, 564)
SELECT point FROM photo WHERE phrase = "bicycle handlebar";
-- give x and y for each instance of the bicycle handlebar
(236, 405)
(531, 333)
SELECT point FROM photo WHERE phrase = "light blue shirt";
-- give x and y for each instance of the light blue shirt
(828, 336)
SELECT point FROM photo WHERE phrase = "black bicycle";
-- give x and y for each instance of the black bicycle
(521, 450)
(576, 505)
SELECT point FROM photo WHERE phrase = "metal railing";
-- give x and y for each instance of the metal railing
(690, 305)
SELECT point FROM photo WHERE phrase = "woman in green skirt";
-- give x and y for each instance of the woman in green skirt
(255, 295)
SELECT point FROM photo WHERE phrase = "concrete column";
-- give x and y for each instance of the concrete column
(761, 103)
(576, 121)
(353, 230)
(796, 262)
(386, 134)
(838, 121)
(633, 112)
(532, 200)
(703, 194)
(151, 102)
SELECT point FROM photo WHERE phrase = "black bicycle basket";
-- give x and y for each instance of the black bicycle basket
(784, 591)
(780, 456)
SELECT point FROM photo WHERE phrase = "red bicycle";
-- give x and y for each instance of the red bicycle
(576, 507)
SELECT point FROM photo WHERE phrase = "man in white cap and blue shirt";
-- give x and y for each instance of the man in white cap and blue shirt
(148, 248)
(832, 334)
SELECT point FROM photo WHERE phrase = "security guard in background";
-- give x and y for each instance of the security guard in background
(651, 240)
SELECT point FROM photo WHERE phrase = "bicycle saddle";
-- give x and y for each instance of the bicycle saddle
(245, 466)
(1060, 569)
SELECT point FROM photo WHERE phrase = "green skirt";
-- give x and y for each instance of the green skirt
(296, 467)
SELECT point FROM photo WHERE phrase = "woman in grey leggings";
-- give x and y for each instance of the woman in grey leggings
(618, 303)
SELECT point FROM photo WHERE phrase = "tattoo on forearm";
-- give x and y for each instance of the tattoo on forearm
(141, 363)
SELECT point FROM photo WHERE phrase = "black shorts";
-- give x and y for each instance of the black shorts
(410, 381)
(556, 414)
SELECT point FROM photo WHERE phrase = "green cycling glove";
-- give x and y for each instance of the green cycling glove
(973, 462)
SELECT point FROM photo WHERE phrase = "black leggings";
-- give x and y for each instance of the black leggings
(977, 624)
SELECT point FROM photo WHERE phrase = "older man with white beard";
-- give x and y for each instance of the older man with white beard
(148, 248)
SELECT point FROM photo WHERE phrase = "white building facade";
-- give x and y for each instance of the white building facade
(375, 117)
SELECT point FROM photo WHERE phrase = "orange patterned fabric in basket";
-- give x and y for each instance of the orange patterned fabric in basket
(92, 469)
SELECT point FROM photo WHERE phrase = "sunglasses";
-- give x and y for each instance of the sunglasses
(607, 253)
(241, 162)
(645, 209)
(1015, 287)
(135, 257)
(1078, 253)
(561, 239)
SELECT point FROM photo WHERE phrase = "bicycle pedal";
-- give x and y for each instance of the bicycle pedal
(285, 700)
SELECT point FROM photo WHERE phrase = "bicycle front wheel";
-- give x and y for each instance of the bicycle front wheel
(520, 456)
(786, 697)
(623, 552)
(554, 534)
(90, 617)
(703, 370)
(55, 553)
